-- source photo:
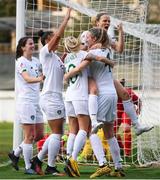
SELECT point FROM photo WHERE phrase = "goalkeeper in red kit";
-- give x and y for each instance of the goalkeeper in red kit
(124, 121)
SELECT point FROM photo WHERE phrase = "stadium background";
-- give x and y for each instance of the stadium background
(7, 51)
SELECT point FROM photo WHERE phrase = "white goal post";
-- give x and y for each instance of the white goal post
(20, 32)
(139, 64)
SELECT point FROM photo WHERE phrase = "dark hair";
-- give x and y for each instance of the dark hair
(122, 81)
(101, 36)
(99, 15)
(21, 43)
(44, 35)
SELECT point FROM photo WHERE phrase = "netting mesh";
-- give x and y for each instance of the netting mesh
(148, 144)
(139, 63)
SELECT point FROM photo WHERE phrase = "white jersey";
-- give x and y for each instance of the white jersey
(101, 73)
(53, 70)
(112, 41)
(78, 85)
(27, 92)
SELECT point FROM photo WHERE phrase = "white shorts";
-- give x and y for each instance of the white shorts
(29, 113)
(73, 108)
(107, 108)
(53, 106)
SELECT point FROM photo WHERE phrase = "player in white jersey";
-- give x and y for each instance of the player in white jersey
(107, 96)
(28, 113)
(102, 20)
(77, 104)
(51, 99)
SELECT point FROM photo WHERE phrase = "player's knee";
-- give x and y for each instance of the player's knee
(38, 137)
(29, 139)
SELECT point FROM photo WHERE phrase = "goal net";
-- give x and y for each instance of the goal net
(139, 64)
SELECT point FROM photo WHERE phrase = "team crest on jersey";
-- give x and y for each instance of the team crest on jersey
(59, 112)
(32, 117)
(62, 67)
(21, 65)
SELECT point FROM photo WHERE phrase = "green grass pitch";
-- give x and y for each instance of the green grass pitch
(7, 172)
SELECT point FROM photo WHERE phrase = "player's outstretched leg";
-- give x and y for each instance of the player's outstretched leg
(140, 129)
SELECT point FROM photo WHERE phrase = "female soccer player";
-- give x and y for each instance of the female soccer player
(28, 113)
(107, 97)
(51, 99)
(102, 20)
(76, 103)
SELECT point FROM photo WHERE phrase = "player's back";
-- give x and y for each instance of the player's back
(53, 69)
(78, 85)
(102, 73)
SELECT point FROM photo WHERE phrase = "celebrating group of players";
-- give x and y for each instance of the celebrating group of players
(90, 98)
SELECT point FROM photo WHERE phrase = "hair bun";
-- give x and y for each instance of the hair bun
(40, 33)
(71, 44)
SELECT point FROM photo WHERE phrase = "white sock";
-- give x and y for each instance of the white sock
(79, 143)
(18, 150)
(98, 149)
(27, 154)
(53, 149)
(115, 152)
(43, 152)
(70, 143)
(93, 108)
(130, 110)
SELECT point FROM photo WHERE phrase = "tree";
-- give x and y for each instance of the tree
(7, 8)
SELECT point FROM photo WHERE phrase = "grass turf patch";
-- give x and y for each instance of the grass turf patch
(8, 172)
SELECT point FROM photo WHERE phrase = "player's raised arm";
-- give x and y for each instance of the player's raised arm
(118, 46)
(52, 45)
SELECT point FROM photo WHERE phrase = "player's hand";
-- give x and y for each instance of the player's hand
(120, 27)
(41, 78)
(112, 63)
(65, 78)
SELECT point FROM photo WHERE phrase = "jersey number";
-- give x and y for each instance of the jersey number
(109, 67)
(72, 79)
